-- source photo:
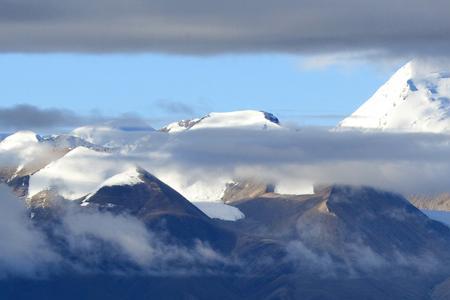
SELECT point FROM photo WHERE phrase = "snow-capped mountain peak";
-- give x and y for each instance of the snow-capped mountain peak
(129, 177)
(415, 99)
(19, 139)
(247, 119)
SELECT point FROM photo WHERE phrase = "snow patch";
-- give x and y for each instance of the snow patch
(217, 210)
(294, 188)
(193, 186)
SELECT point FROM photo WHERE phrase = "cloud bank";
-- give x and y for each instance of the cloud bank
(204, 160)
(24, 116)
(199, 163)
(31, 117)
(205, 27)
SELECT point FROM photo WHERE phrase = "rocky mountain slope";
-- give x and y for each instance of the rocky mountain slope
(439, 202)
(343, 242)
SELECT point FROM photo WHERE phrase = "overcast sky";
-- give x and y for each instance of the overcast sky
(205, 27)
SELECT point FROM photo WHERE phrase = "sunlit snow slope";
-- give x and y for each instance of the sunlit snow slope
(248, 119)
(19, 141)
(415, 99)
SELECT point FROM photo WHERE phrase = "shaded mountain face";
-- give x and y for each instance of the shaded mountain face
(247, 119)
(441, 291)
(350, 229)
(415, 99)
(160, 207)
(144, 197)
(341, 243)
(338, 224)
(138, 194)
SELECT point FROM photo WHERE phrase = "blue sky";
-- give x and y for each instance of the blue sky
(164, 88)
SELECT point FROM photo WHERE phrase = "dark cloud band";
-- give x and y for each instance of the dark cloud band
(211, 27)
(25, 116)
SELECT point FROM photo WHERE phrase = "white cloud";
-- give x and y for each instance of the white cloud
(126, 234)
(23, 249)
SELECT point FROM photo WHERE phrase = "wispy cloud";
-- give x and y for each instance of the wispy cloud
(174, 107)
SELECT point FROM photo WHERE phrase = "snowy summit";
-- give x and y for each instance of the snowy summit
(247, 119)
(19, 140)
(415, 99)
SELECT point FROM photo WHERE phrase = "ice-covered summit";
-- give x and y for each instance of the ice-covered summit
(247, 119)
(130, 176)
(19, 140)
(415, 99)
